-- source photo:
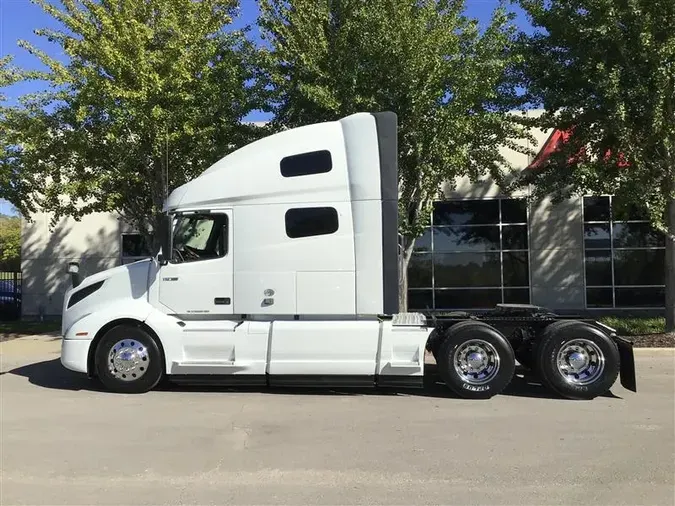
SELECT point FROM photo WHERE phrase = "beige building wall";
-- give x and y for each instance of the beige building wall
(555, 234)
(94, 241)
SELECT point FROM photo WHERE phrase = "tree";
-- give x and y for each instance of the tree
(9, 189)
(10, 243)
(604, 70)
(449, 84)
(152, 92)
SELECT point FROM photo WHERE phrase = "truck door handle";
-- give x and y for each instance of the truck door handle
(222, 301)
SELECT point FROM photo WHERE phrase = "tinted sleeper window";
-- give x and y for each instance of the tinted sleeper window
(310, 221)
(304, 164)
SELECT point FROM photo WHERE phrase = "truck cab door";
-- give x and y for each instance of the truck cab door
(198, 279)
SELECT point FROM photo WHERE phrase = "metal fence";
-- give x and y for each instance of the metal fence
(10, 295)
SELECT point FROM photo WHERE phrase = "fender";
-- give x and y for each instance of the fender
(87, 326)
(162, 325)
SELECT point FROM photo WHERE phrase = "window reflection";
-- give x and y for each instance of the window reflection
(469, 258)
(468, 299)
(637, 235)
(624, 256)
(514, 237)
(419, 270)
(466, 239)
(596, 209)
(640, 296)
(420, 300)
(639, 267)
(514, 211)
(423, 243)
(598, 267)
(466, 212)
(466, 269)
(596, 235)
(516, 268)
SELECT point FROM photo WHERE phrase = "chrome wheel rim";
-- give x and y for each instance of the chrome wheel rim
(128, 360)
(476, 362)
(580, 362)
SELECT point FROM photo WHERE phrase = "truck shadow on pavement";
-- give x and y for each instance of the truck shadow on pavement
(51, 374)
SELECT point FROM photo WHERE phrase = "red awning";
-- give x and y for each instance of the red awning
(554, 142)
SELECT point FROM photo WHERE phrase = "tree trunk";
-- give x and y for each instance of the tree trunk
(403, 261)
(670, 268)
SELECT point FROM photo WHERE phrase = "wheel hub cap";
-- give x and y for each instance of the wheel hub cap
(476, 362)
(580, 362)
(577, 360)
(128, 360)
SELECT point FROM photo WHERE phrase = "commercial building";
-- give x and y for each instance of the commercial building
(482, 248)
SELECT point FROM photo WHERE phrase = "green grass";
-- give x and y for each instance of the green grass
(29, 327)
(635, 326)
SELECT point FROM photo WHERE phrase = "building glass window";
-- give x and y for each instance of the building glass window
(624, 257)
(473, 256)
(134, 248)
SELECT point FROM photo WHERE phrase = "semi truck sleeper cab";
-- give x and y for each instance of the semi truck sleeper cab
(279, 266)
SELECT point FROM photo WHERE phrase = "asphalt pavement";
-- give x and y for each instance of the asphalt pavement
(64, 441)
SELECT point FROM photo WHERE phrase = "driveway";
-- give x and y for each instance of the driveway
(65, 442)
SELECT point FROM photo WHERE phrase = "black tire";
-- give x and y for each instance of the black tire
(600, 361)
(494, 381)
(141, 376)
(527, 354)
(442, 365)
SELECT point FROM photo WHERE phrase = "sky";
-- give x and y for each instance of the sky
(19, 18)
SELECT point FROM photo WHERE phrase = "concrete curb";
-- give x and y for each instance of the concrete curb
(659, 350)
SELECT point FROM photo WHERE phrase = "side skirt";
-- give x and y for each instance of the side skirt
(299, 380)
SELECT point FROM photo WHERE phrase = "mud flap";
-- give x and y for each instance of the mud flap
(627, 371)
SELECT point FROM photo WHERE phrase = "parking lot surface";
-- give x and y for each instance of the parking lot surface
(65, 442)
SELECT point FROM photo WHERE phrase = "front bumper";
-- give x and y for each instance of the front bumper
(75, 354)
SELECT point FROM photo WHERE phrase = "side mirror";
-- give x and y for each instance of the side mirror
(74, 271)
(164, 239)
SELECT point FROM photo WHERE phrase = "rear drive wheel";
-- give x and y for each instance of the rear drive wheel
(526, 355)
(577, 361)
(476, 361)
(128, 360)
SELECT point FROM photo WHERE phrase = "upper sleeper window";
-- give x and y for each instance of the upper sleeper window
(305, 164)
(310, 221)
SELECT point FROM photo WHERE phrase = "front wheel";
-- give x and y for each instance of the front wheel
(577, 361)
(476, 361)
(128, 360)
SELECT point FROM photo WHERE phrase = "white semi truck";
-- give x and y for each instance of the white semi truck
(279, 266)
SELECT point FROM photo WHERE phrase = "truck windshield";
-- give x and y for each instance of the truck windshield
(198, 237)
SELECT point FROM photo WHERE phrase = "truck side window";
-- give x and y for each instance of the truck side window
(199, 237)
(311, 221)
(305, 164)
